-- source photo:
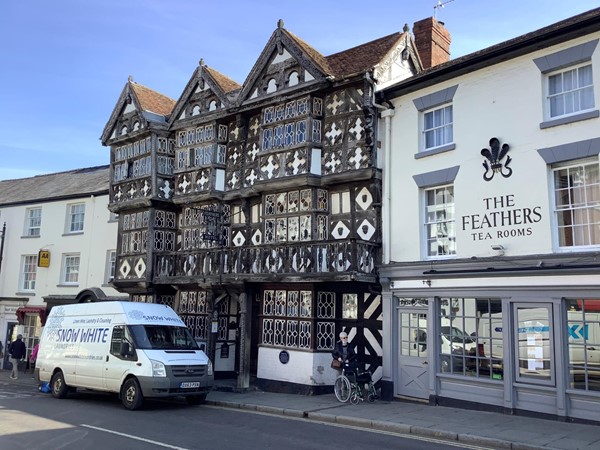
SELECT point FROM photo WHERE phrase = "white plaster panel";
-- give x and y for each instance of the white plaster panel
(305, 368)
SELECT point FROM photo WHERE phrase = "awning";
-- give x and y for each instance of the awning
(23, 310)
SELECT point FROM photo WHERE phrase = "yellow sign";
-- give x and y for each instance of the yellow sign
(44, 258)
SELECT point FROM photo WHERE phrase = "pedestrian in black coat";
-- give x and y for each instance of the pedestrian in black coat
(17, 352)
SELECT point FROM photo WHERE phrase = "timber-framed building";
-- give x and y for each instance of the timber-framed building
(254, 209)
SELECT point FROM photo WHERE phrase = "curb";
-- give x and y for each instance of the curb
(380, 425)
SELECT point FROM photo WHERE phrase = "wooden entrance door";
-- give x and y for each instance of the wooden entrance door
(413, 350)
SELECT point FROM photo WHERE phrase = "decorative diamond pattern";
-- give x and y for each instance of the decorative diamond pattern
(140, 267)
(366, 230)
(340, 231)
(125, 268)
(364, 199)
(239, 239)
(257, 237)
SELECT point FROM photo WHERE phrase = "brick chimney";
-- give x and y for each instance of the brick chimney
(432, 41)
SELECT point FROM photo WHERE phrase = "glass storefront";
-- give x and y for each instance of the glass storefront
(583, 328)
(471, 337)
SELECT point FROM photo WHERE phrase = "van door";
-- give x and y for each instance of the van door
(413, 351)
(119, 359)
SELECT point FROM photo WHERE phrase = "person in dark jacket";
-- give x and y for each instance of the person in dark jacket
(17, 352)
(344, 352)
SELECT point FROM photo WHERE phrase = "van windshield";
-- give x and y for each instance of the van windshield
(456, 334)
(162, 337)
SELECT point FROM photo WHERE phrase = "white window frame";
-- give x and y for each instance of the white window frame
(574, 94)
(444, 131)
(33, 224)
(73, 225)
(70, 272)
(584, 207)
(111, 263)
(28, 273)
(450, 221)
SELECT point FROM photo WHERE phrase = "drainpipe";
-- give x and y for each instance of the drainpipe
(387, 112)
(2, 244)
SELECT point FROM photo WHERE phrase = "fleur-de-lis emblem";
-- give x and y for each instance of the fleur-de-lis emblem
(495, 157)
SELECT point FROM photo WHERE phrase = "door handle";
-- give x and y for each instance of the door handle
(106, 358)
(424, 363)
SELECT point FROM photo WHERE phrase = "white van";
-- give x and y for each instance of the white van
(135, 349)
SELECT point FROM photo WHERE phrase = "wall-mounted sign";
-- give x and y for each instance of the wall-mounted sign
(503, 218)
(284, 357)
(224, 350)
(43, 258)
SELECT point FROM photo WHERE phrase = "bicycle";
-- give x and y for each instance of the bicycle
(349, 386)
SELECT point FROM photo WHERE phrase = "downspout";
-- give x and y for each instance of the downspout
(2, 244)
(387, 112)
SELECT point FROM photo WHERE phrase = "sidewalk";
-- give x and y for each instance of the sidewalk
(486, 429)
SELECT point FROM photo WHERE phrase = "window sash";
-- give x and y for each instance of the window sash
(571, 91)
(29, 272)
(71, 269)
(34, 221)
(440, 231)
(576, 205)
(76, 217)
(438, 127)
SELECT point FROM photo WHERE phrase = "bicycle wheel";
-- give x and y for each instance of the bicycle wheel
(342, 388)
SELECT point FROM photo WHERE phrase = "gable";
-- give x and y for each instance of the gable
(207, 91)
(137, 107)
(285, 63)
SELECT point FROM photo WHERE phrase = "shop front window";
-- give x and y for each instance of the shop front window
(471, 337)
(583, 330)
(533, 343)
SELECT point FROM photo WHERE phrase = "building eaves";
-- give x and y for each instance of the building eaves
(362, 57)
(226, 84)
(315, 55)
(152, 101)
(570, 28)
(77, 183)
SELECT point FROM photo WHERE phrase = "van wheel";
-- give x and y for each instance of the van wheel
(194, 400)
(59, 387)
(131, 394)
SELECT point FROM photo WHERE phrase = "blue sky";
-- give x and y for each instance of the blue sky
(65, 62)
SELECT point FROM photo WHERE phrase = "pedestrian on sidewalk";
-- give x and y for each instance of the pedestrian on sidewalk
(17, 352)
(344, 352)
(33, 357)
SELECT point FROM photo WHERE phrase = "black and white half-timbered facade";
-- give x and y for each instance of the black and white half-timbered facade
(254, 209)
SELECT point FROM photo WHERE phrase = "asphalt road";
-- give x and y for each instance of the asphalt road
(32, 420)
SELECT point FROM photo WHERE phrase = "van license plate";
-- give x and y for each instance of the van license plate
(192, 384)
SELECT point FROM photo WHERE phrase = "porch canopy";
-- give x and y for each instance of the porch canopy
(23, 310)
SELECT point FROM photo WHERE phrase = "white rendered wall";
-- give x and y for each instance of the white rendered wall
(503, 101)
(99, 235)
(312, 369)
